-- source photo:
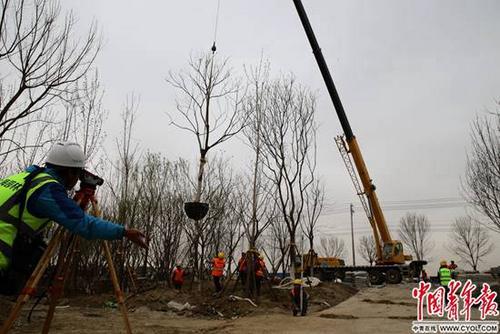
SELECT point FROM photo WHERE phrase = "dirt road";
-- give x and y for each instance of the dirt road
(372, 310)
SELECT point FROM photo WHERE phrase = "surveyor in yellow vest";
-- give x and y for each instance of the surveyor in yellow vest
(32, 198)
(444, 276)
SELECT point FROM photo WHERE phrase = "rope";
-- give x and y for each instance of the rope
(287, 283)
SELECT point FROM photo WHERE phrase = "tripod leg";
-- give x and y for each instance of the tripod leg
(62, 272)
(35, 277)
(236, 283)
(118, 292)
(131, 277)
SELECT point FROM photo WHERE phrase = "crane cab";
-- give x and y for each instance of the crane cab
(392, 253)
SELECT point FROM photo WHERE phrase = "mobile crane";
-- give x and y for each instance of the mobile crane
(391, 262)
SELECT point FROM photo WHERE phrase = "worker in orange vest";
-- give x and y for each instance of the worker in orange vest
(178, 277)
(218, 264)
(242, 268)
(260, 272)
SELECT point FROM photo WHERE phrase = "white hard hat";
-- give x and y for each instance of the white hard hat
(66, 154)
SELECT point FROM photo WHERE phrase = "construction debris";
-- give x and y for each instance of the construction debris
(233, 298)
(180, 307)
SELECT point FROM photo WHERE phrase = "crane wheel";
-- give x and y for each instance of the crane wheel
(376, 277)
(324, 276)
(393, 276)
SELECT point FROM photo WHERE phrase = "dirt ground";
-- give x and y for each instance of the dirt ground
(150, 312)
(388, 309)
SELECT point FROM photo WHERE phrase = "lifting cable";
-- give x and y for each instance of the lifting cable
(210, 83)
(214, 48)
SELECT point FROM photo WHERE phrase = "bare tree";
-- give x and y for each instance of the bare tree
(315, 197)
(278, 242)
(332, 247)
(153, 184)
(289, 142)
(206, 237)
(172, 220)
(415, 232)
(482, 178)
(40, 60)
(208, 82)
(261, 189)
(81, 122)
(124, 187)
(85, 114)
(470, 241)
(263, 209)
(38, 132)
(367, 249)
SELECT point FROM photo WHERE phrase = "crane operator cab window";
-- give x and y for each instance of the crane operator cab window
(387, 251)
(398, 249)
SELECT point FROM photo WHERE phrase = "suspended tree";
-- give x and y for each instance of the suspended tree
(210, 105)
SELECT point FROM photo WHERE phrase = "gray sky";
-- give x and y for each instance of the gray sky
(411, 75)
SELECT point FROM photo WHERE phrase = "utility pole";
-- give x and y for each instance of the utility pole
(351, 209)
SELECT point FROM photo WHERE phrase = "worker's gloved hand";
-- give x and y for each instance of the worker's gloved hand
(136, 237)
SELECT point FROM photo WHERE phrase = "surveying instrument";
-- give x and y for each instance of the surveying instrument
(67, 244)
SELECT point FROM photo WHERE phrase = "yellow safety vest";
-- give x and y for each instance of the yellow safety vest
(10, 222)
(444, 276)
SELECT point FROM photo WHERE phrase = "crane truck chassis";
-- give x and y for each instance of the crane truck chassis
(378, 274)
(391, 262)
(331, 268)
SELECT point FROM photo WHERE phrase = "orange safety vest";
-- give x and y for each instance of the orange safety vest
(218, 266)
(178, 275)
(259, 271)
(242, 264)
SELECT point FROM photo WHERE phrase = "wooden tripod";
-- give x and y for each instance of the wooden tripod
(83, 197)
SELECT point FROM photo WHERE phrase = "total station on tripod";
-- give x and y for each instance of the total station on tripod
(90, 180)
(88, 185)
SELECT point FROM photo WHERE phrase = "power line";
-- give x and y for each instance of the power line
(404, 205)
(435, 226)
(407, 201)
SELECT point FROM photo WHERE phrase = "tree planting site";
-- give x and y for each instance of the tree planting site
(249, 166)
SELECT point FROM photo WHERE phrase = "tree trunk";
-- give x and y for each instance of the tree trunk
(203, 161)
(292, 252)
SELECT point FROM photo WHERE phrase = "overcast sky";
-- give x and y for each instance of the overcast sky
(412, 75)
